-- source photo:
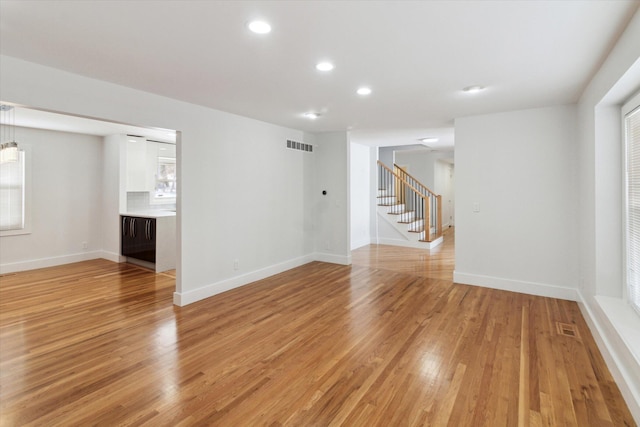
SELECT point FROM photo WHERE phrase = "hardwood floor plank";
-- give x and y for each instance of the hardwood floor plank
(524, 407)
(388, 341)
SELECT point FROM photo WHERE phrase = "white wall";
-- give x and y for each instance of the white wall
(614, 326)
(360, 195)
(113, 195)
(423, 165)
(600, 164)
(419, 163)
(373, 191)
(385, 155)
(66, 183)
(519, 167)
(242, 194)
(332, 214)
(444, 185)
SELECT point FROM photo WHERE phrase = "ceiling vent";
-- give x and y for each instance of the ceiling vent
(301, 146)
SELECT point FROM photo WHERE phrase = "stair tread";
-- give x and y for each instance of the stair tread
(407, 217)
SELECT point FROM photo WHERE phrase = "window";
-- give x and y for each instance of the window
(166, 179)
(632, 211)
(12, 195)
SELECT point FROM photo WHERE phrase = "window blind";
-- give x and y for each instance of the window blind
(12, 194)
(632, 138)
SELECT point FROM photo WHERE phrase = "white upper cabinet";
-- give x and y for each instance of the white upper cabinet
(167, 150)
(144, 160)
(141, 163)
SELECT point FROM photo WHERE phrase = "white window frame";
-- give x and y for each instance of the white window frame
(26, 152)
(162, 200)
(631, 105)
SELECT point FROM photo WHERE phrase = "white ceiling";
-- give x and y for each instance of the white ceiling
(415, 55)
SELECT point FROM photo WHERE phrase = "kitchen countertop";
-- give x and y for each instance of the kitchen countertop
(149, 213)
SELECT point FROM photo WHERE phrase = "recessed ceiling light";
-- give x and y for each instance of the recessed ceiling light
(312, 115)
(429, 139)
(473, 89)
(259, 27)
(324, 66)
(364, 91)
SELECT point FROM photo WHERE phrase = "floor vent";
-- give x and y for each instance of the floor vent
(295, 145)
(567, 330)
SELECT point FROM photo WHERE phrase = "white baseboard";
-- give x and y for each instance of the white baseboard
(189, 297)
(531, 288)
(360, 243)
(332, 258)
(48, 262)
(411, 243)
(112, 256)
(621, 360)
(141, 263)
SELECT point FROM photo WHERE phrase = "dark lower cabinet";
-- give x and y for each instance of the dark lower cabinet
(139, 238)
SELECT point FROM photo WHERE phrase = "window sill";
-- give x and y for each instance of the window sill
(20, 232)
(625, 321)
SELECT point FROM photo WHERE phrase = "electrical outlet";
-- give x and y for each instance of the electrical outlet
(236, 264)
(85, 245)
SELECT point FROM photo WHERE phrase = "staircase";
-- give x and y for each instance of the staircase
(408, 206)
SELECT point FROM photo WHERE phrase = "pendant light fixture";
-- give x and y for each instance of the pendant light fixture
(8, 147)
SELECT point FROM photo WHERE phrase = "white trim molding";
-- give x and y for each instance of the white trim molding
(49, 262)
(332, 258)
(112, 256)
(360, 243)
(185, 298)
(411, 244)
(531, 288)
(618, 343)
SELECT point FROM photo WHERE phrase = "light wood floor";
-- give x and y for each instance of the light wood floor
(389, 341)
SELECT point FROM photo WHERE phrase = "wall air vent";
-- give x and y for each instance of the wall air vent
(295, 145)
